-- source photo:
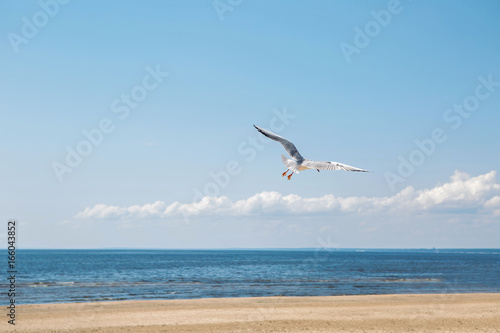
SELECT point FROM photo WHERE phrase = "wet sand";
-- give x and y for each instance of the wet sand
(377, 313)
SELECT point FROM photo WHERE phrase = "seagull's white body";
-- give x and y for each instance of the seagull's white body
(298, 163)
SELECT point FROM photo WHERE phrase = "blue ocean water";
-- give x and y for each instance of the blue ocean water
(54, 276)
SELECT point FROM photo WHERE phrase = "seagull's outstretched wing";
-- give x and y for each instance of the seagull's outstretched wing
(330, 166)
(289, 147)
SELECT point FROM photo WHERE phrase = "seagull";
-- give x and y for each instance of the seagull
(298, 163)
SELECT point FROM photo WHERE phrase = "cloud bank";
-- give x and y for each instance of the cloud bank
(480, 193)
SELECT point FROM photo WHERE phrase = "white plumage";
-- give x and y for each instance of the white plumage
(298, 163)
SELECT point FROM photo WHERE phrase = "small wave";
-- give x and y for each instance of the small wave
(49, 284)
(412, 280)
(96, 299)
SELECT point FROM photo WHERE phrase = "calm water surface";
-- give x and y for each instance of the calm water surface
(48, 276)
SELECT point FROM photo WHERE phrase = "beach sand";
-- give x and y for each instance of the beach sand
(377, 313)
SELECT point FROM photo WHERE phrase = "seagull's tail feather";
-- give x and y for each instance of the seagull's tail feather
(285, 160)
(290, 164)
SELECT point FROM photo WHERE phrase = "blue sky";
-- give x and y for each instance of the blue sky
(197, 75)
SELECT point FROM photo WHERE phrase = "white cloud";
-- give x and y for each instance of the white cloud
(494, 205)
(462, 191)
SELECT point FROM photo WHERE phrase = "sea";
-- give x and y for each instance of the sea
(61, 276)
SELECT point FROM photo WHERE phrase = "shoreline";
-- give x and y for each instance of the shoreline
(107, 301)
(470, 312)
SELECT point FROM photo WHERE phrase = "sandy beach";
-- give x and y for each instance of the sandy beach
(377, 313)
